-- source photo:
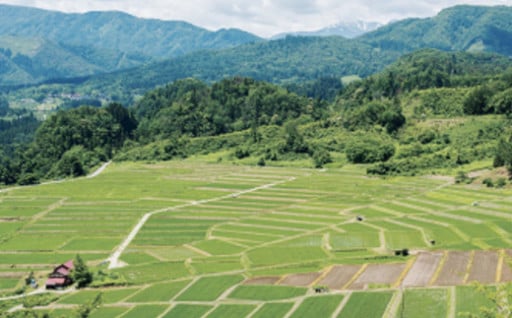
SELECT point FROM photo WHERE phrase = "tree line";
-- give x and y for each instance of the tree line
(369, 121)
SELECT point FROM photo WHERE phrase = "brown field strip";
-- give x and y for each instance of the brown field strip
(339, 276)
(423, 269)
(269, 280)
(484, 267)
(454, 269)
(302, 280)
(378, 274)
(427, 265)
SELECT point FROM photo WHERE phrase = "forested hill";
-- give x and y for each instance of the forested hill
(297, 59)
(460, 28)
(94, 42)
(430, 110)
(285, 61)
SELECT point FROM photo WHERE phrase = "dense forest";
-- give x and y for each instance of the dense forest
(430, 110)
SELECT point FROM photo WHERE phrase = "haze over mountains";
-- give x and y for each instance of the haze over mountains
(38, 45)
(348, 30)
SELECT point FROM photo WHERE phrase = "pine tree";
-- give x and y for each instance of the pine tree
(81, 274)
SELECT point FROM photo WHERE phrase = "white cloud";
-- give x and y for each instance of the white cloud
(263, 17)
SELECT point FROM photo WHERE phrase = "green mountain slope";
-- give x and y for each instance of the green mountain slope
(286, 61)
(46, 45)
(460, 28)
(36, 59)
(296, 59)
(117, 31)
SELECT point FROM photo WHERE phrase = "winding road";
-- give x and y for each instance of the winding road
(114, 258)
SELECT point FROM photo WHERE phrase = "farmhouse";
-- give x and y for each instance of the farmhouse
(60, 277)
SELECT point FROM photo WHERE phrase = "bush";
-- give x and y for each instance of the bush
(501, 182)
(461, 177)
(367, 149)
(321, 157)
(241, 153)
(488, 182)
(28, 179)
(427, 137)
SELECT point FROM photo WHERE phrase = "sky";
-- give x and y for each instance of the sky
(262, 17)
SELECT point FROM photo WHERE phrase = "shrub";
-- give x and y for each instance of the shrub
(369, 150)
(321, 157)
(501, 182)
(461, 177)
(427, 137)
(241, 153)
(488, 182)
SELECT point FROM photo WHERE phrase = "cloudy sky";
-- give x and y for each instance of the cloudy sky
(262, 17)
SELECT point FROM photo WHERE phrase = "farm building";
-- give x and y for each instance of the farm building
(60, 277)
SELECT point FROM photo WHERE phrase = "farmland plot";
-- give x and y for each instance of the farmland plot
(321, 306)
(224, 240)
(366, 305)
(454, 269)
(424, 303)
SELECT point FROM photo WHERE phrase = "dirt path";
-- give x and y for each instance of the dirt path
(93, 175)
(114, 258)
(452, 303)
(40, 290)
(338, 310)
(394, 305)
(99, 170)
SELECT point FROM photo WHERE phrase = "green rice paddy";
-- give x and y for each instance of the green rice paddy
(205, 238)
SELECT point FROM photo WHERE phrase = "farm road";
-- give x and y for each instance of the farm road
(99, 170)
(114, 258)
(92, 175)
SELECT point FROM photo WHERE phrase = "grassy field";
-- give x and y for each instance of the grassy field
(366, 305)
(323, 306)
(214, 227)
(422, 303)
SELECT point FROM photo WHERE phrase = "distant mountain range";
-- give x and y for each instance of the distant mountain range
(460, 28)
(347, 30)
(301, 59)
(38, 45)
(32, 41)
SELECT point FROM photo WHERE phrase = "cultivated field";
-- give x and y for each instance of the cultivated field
(193, 239)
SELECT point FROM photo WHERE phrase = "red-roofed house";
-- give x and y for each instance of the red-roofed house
(60, 277)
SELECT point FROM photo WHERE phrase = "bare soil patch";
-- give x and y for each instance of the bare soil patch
(302, 280)
(378, 274)
(267, 280)
(454, 269)
(339, 276)
(506, 273)
(422, 270)
(484, 267)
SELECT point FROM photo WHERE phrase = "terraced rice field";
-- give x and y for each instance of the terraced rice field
(210, 240)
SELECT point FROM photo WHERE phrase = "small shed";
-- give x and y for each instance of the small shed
(61, 276)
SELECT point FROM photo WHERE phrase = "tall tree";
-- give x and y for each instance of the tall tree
(81, 274)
